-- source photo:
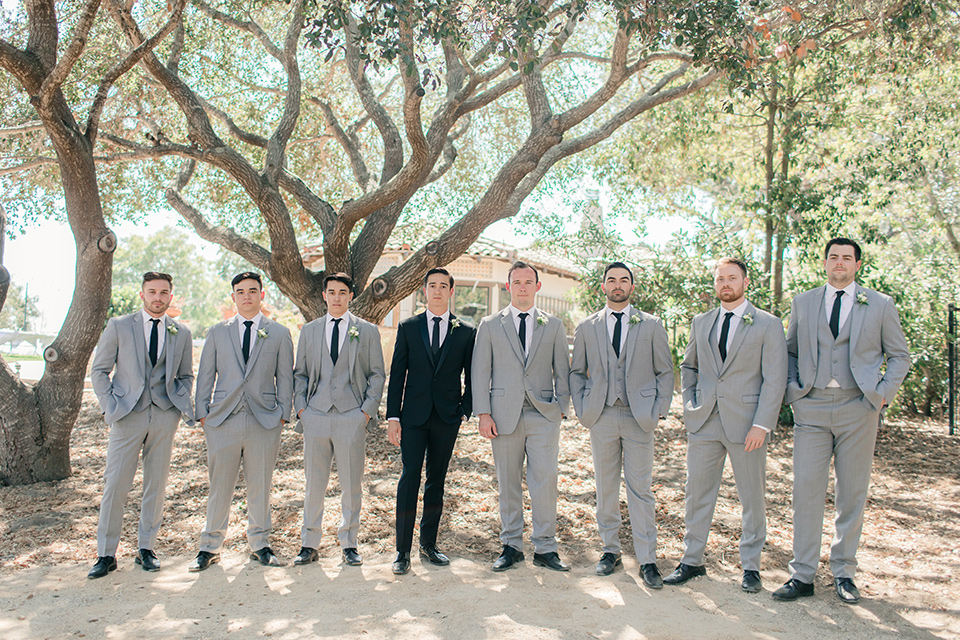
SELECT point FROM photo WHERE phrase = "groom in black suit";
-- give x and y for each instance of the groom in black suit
(425, 404)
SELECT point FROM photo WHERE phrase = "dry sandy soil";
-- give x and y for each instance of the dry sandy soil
(908, 556)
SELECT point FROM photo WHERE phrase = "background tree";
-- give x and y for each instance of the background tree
(20, 309)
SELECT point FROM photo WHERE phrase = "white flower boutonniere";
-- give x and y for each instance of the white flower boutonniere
(748, 318)
(635, 318)
(454, 323)
(172, 329)
(354, 333)
(862, 298)
(542, 320)
(262, 333)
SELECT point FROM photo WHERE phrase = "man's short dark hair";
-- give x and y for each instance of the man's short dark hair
(338, 277)
(246, 275)
(439, 270)
(520, 264)
(731, 260)
(150, 276)
(843, 242)
(617, 265)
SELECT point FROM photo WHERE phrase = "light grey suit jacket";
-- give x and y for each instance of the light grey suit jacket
(266, 380)
(502, 378)
(875, 335)
(123, 350)
(648, 368)
(365, 353)
(747, 388)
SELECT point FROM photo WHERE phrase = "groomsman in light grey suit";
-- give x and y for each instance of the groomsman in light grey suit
(521, 391)
(839, 337)
(621, 381)
(244, 397)
(338, 382)
(733, 375)
(151, 357)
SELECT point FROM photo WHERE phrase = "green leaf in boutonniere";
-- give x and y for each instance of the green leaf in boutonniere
(454, 323)
(354, 333)
(542, 320)
(635, 318)
(748, 318)
(262, 333)
(862, 298)
(172, 329)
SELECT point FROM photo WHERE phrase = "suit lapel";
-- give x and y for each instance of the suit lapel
(425, 335)
(632, 329)
(351, 344)
(141, 347)
(816, 311)
(535, 337)
(708, 337)
(257, 344)
(600, 326)
(170, 346)
(233, 336)
(856, 318)
(506, 323)
(444, 346)
(738, 337)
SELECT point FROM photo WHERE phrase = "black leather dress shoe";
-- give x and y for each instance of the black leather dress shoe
(352, 557)
(846, 590)
(306, 556)
(103, 566)
(608, 562)
(684, 572)
(508, 557)
(751, 581)
(203, 561)
(267, 558)
(793, 589)
(651, 576)
(402, 563)
(147, 559)
(550, 561)
(434, 555)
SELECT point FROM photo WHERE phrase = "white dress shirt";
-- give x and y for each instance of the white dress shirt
(444, 325)
(734, 322)
(253, 328)
(612, 324)
(328, 330)
(528, 328)
(145, 319)
(846, 302)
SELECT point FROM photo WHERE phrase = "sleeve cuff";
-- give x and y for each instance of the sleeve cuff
(760, 426)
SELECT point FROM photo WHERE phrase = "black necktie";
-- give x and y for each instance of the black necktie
(724, 332)
(835, 315)
(335, 340)
(522, 331)
(154, 341)
(616, 332)
(246, 339)
(435, 344)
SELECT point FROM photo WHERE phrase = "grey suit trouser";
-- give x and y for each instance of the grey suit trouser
(329, 436)
(537, 439)
(842, 425)
(151, 431)
(240, 439)
(618, 442)
(707, 450)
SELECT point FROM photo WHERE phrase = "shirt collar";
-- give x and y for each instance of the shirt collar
(626, 311)
(257, 319)
(739, 311)
(516, 312)
(445, 316)
(848, 290)
(145, 318)
(328, 318)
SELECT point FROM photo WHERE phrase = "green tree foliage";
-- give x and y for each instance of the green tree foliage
(20, 309)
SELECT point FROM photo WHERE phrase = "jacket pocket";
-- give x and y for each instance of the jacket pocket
(652, 391)
(497, 392)
(547, 395)
(269, 400)
(754, 399)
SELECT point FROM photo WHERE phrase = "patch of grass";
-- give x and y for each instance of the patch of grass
(12, 357)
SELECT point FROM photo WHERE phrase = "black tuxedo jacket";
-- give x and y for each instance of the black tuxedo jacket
(419, 382)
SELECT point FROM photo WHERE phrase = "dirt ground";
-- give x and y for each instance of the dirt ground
(908, 555)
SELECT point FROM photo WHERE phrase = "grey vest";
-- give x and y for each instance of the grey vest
(616, 372)
(334, 389)
(833, 356)
(155, 384)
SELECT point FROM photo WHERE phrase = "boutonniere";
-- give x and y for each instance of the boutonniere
(262, 333)
(454, 323)
(354, 333)
(635, 318)
(748, 318)
(542, 320)
(172, 329)
(862, 298)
